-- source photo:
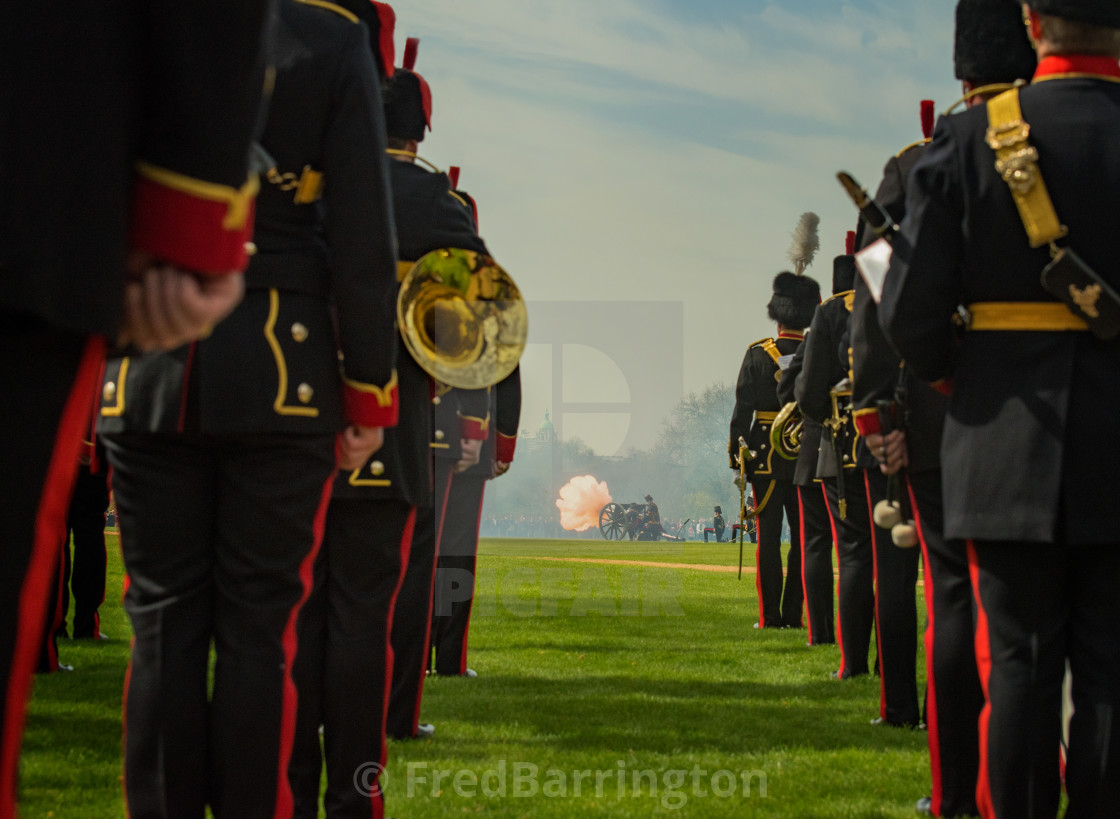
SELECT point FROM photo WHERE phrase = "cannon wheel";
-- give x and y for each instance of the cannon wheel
(612, 521)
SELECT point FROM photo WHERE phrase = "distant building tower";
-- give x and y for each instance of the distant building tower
(545, 434)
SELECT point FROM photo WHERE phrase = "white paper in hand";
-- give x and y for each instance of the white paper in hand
(872, 263)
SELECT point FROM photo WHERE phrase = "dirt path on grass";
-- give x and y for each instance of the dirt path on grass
(699, 567)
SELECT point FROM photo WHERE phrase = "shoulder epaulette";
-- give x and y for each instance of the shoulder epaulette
(849, 297)
(768, 346)
(339, 10)
(921, 143)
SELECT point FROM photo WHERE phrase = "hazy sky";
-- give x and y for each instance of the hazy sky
(648, 151)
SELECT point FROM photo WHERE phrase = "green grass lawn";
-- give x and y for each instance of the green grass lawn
(603, 690)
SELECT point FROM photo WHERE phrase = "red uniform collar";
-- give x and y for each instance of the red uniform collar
(789, 334)
(1067, 65)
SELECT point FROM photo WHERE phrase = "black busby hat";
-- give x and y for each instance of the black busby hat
(649, 497)
(794, 301)
(720, 511)
(991, 42)
(843, 273)
(381, 21)
(407, 99)
(1095, 12)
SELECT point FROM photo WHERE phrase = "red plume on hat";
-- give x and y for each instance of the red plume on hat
(927, 118)
(411, 49)
(408, 98)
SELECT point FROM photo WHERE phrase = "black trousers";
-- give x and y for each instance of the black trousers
(40, 438)
(219, 536)
(1039, 604)
(953, 694)
(84, 575)
(455, 572)
(896, 616)
(816, 564)
(412, 615)
(855, 563)
(344, 664)
(780, 596)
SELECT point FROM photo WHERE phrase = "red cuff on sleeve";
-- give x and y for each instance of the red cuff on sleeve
(505, 447)
(474, 428)
(867, 422)
(369, 406)
(198, 225)
(943, 386)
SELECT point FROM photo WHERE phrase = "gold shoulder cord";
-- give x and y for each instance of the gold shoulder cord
(1017, 163)
(772, 349)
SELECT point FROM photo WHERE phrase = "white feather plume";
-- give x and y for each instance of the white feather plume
(805, 242)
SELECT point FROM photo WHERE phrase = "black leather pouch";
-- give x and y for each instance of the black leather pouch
(1086, 294)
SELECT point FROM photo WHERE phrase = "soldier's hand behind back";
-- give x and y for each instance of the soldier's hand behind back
(356, 445)
(471, 451)
(165, 307)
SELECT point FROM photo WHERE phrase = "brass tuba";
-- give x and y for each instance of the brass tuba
(785, 432)
(462, 318)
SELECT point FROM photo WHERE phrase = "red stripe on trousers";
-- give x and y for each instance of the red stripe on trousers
(804, 587)
(875, 576)
(757, 555)
(285, 804)
(984, 665)
(50, 526)
(440, 510)
(377, 798)
(124, 721)
(932, 727)
(839, 580)
(474, 570)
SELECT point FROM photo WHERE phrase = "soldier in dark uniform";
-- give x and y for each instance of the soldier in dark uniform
(718, 527)
(991, 48)
(136, 140)
(895, 569)
(650, 523)
(771, 476)
(814, 523)
(458, 547)
(342, 667)
(1030, 411)
(823, 368)
(224, 452)
(429, 216)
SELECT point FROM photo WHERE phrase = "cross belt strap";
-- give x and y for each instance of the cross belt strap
(1017, 162)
